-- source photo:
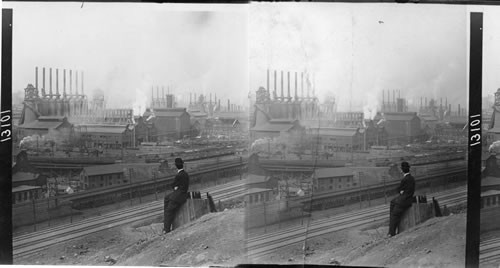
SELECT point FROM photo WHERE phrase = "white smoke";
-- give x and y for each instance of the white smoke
(370, 106)
(140, 102)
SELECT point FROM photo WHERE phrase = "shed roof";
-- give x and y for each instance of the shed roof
(23, 188)
(23, 176)
(37, 124)
(113, 129)
(267, 127)
(490, 181)
(333, 172)
(345, 132)
(258, 190)
(407, 116)
(490, 193)
(103, 169)
(171, 112)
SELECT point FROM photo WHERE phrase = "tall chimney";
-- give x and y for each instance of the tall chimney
(296, 96)
(228, 105)
(459, 109)
(71, 82)
(50, 82)
(157, 93)
(152, 96)
(302, 84)
(162, 92)
(190, 97)
(383, 99)
(275, 83)
(210, 98)
(36, 78)
(57, 83)
(288, 85)
(76, 83)
(82, 83)
(43, 82)
(64, 83)
(426, 103)
(282, 95)
(268, 90)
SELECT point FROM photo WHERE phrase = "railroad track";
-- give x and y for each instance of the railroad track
(31, 243)
(261, 245)
(489, 251)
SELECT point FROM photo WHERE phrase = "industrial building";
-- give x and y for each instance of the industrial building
(333, 179)
(105, 136)
(57, 126)
(402, 127)
(171, 122)
(26, 193)
(102, 176)
(336, 139)
(282, 128)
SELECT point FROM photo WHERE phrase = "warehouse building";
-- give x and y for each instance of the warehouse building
(402, 127)
(56, 125)
(172, 122)
(333, 179)
(106, 136)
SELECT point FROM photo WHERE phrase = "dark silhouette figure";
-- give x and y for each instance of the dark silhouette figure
(404, 199)
(174, 200)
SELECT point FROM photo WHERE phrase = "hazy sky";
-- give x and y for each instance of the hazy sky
(356, 51)
(491, 48)
(124, 49)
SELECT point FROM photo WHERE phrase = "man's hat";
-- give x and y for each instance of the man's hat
(178, 161)
(405, 165)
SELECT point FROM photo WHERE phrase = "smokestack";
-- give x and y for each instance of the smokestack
(296, 96)
(162, 92)
(50, 82)
(215, 97)
(210, 98)
(446, 104)
(449, 109)
(157, 92)
(288, 85)
(57, 83)
(458, 109)
(64, 83)
(76, 85)
(36, 78)
(268, 90)
(426, 102)
(190, 97)
(71, 82)
(302, 84)
(383, 99)
(152, 95)
(228, 105)
(275, 79)
(82, 83)
(421, 102)
(282, 95)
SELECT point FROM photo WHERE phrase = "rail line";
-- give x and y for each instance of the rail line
(264, 244)
(28, 244)
(489, 251)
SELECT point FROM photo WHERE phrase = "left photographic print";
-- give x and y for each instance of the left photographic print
(130, 133)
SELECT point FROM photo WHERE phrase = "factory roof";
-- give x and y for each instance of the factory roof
(490, 193)
(428, 117)
(23, 176)
(110, 129)
(333, 172)
(23, 188)
(490, 181)
(346, 132)
(170, 112)
(268, 127)
(103, 169)
(400, 116)
(257, 190)
(51, 118)
(37, 124)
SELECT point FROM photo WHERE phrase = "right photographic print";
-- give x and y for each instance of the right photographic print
(489, 250)
(358, 134)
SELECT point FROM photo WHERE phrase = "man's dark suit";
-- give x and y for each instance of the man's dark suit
(174, 200)
(402, 202)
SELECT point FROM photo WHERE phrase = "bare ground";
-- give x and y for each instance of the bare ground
(218, 239)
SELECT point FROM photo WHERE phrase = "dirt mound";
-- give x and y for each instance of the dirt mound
(215, 238)
(439, 242)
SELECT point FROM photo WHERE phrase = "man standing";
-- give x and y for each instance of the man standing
(174, 200)
(404, 199)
